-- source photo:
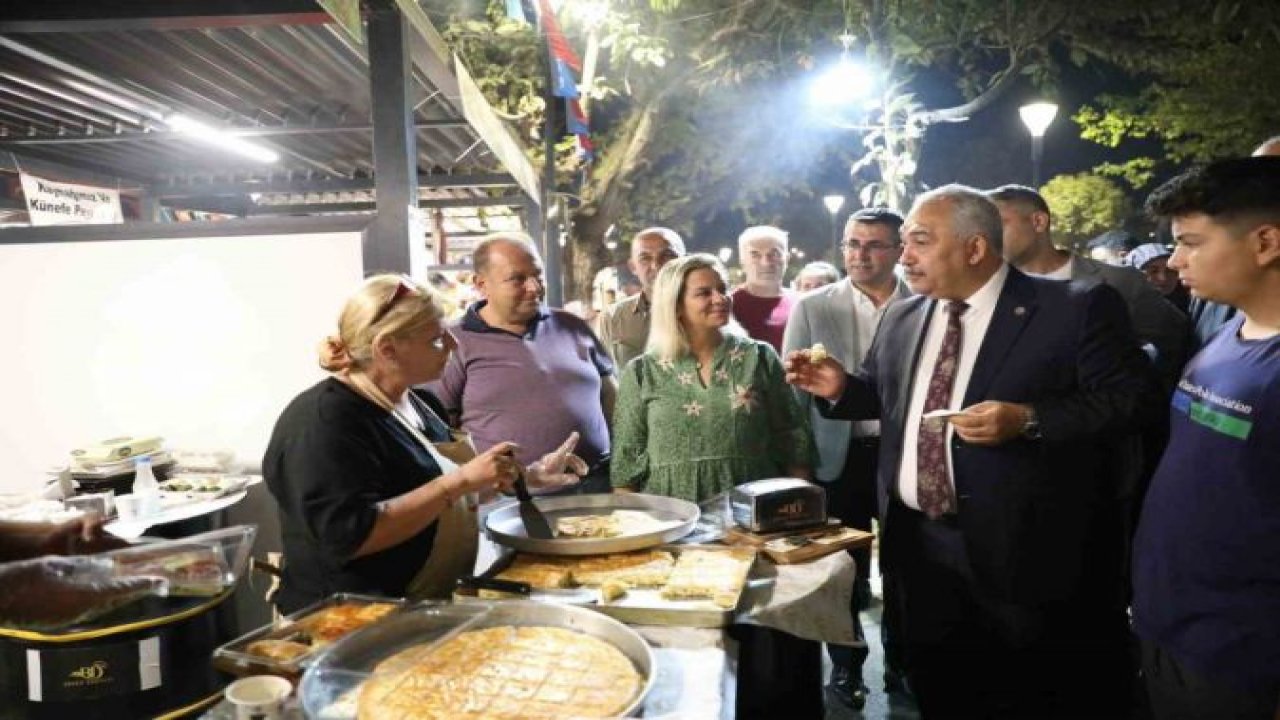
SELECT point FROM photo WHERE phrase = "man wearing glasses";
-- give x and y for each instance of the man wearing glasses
(624, 326)
(843, 317)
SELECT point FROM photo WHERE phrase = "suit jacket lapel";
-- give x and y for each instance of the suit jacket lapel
(841, 339)
(913, 328)
(1014, 309)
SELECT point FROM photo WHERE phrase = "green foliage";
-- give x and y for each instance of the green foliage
(1210, 83)
(1084, 206)
(1137, 172)
(698, 106)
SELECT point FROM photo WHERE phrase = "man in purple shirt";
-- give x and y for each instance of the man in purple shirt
(524, 372)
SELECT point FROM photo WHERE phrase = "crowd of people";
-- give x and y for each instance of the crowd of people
(1004, 411)
(1068, 463)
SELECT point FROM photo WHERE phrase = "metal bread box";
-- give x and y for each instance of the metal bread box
(778, 504)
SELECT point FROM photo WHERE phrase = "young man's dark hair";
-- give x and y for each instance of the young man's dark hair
(1020, 194)
(1226, 191)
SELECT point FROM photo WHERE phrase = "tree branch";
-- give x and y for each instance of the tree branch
(988, 96)
(1005, 80)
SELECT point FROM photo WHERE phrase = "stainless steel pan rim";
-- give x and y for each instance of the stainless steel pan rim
(343, 666)
(504, 526)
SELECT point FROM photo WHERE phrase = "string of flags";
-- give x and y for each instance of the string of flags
(566, 67)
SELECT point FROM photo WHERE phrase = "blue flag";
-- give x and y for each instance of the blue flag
(563, 83)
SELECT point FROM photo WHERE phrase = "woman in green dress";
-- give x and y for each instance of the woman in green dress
(705, 408)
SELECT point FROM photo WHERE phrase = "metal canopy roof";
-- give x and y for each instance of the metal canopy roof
(88, 93)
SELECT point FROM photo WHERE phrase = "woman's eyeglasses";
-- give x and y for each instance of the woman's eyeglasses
(404, 288)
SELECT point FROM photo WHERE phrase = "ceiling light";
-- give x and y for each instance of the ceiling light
(197, 130)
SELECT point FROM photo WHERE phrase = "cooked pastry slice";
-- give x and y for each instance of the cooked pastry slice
(588, 526)
(615, 524)
(644, 568)
(335, 621)
(540, 571)
(611, 590)
(277, 649)
(714, 575)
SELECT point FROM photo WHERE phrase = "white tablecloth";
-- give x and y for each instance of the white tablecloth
(809, 600)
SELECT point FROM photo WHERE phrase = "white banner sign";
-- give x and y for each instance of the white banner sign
(56, 203)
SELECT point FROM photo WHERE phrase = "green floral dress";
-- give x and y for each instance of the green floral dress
(674, 436)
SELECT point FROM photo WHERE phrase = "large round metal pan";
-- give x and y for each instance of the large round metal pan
(503, 524)
(329, 687)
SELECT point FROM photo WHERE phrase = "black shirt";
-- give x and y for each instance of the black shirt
(333, 456)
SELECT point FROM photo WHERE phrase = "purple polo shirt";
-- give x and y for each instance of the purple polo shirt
(532, 389)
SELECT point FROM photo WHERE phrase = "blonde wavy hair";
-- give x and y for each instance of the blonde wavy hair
(383, 306)
(667, 337)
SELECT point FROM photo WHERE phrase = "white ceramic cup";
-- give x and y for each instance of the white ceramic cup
(259, 697)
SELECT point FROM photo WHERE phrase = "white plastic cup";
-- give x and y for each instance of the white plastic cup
(137, 506)
(259, 697)
(127, 507)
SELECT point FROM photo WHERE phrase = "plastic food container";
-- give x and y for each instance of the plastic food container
(330, 686)
(203, 461)
(247, 654)
(197, 566)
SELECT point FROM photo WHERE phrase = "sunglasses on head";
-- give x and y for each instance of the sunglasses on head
(404, 288)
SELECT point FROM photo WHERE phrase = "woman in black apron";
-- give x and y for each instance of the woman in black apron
(376, 494)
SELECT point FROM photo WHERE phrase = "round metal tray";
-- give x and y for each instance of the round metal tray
(504, 526)
(329, 686)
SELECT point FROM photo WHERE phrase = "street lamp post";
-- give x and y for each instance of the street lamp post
(834, 203)
(1037, 116)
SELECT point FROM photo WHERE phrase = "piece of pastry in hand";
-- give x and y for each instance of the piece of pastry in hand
(818, 353)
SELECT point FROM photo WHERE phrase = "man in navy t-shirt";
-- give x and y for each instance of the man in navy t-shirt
(1206, 578)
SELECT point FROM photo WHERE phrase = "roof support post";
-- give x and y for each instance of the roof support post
(542, 223)
(395, 152)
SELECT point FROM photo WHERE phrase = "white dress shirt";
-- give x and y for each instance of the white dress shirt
(1062, 273)
(973, 328)
(867, 319)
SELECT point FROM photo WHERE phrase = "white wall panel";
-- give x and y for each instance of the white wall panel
(200, 340)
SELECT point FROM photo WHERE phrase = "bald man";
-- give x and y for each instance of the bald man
(525, 372)
(1270, 146)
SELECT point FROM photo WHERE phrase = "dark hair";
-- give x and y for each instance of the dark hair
(1021, 194)
(1223, 190)
(877, 216)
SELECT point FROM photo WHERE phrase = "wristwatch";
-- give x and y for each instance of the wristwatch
(1031, 425)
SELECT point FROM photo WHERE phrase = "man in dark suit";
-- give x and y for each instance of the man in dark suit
(1162, 329)
(994, 519)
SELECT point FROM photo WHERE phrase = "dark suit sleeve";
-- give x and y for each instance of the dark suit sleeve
(1158, 323)
(1118, 392)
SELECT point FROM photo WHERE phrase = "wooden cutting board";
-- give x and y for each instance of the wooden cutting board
(797, 546)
